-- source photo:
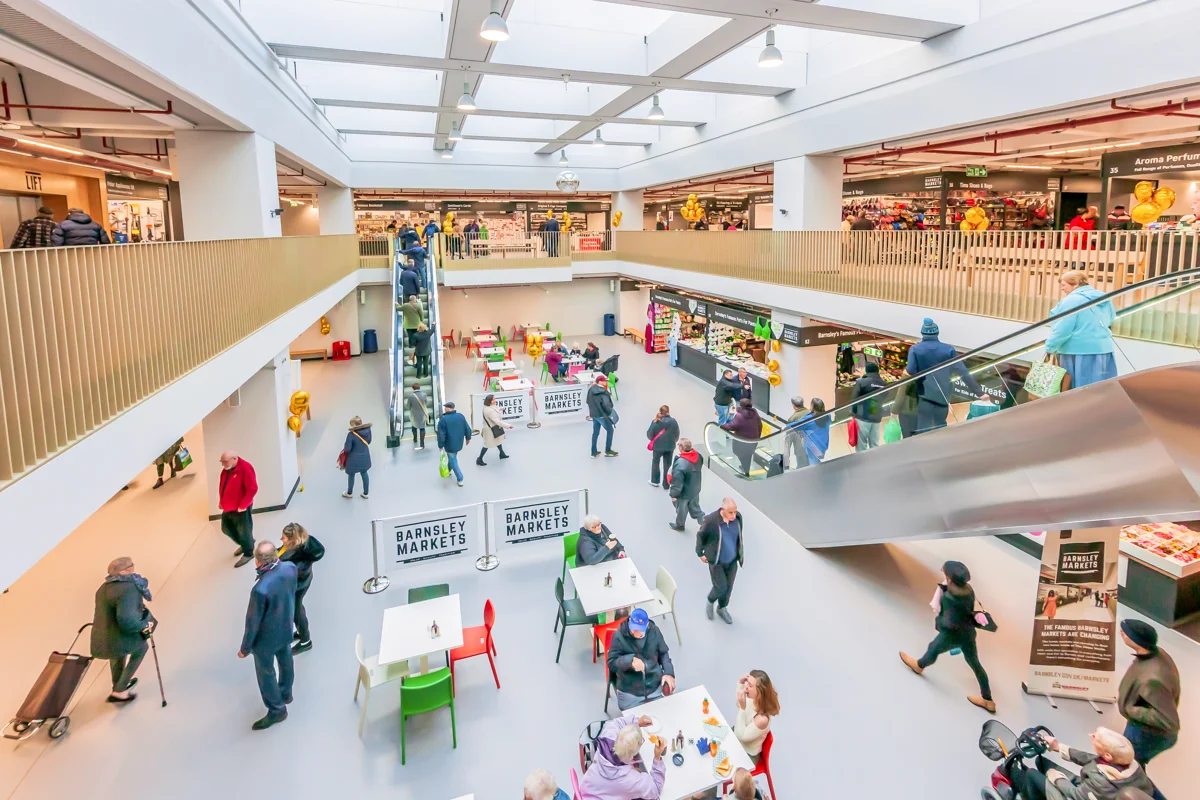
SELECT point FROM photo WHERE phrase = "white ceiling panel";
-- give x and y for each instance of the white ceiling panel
(678, 105)
(530, 94)
(369, 82)
(480, 125)
(589, 15)
(415, 28)
(628, 133)
(381, 120)
(475, 146)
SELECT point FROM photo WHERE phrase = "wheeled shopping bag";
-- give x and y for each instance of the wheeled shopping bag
(51, 694)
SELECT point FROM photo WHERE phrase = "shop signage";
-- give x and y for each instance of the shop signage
(688, 305)
(1073, 653)
(997, 182)
(766, 198)
(33, 181)
(119, 186)
(818, 335)
(447, 533)
(735, 317)
(530, 519)
(458, 205)
(513, 406)
(895, 184)
(976, 172)
(933, 181)
(788, 334)
(1053, 184)
(1179, 158)
(561, 403)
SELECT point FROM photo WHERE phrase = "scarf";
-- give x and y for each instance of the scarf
(141, 583)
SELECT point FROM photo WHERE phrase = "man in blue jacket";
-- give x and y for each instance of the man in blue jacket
(432, 229)
(418, 255)
(410, 282)
(268, 635)
(453, 434)
(934, 392)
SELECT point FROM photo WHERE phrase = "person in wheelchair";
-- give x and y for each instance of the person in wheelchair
(1107, 770)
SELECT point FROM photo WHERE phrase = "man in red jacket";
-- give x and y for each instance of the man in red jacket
(237, 488)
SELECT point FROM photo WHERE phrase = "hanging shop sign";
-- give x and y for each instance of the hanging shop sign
(531, 519)
(688, 305)
(119, 186)
(766, 198)
(1053, 184)
(561, 403)
(1075, 616)
(997, 182)
(513, 406)
(1179, 158)
(446, 533)
(393, 205)
(737, 318)
(818, 335)
(458, 205)
(788, 334)
(896, 184)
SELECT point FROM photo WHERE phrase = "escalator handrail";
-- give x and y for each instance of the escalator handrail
(990, 346)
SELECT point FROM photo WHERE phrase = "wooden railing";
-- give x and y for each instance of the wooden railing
(90, 332)
(376, 252)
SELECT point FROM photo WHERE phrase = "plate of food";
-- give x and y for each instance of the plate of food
(722, 766)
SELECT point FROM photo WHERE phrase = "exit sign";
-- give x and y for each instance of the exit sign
(976, 172)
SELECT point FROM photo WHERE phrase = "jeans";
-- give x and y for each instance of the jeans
(124, 668)
(723, 413)
(794, 455)
(1147, 744)
(423, 368)
(908, 424)
(238, 525)
(626, 701)
(350, 482)
(868, 435)
(685, 506)
(418, 437)
(946, 641)
(657, 476)
(274, 690)
(723, 576)
(300, 618)
(930, 416)
(452, 459)
(597, 424)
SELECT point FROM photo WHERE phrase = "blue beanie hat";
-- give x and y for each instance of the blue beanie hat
(929, 327)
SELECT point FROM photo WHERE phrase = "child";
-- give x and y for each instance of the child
(743, 785)
(575, 351)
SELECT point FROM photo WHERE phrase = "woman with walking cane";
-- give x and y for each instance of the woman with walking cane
(121, 626)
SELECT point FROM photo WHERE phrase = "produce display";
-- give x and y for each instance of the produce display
(1168, 540)
(661, 320)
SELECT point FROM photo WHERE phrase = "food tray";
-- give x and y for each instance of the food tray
(717, 759)
(718, 732)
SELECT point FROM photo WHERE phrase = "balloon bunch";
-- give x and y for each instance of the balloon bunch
(762, 329)
(691, 210)
(976, 219)
(297, 406)
(617, 219)
(325, 327)
(533, 345)
(1151, 202)
(448, 225)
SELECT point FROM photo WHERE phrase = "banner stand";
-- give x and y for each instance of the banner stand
(489, 560)
(1050, 698)
(376, 583)
(533, 420)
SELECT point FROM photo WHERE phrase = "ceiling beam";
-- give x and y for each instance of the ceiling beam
(808, 15)
(652, 82)
(493, 112)
(531, 139)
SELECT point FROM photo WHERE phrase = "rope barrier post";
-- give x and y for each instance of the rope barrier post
(376, 583)
(533, 423)
(489, 560)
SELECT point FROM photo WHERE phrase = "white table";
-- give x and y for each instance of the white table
(512, 384)
(406, 630)
(682, 712)
(481, 331)
(598, 598)
(501, 366)
(585, 376)
(491, 351)
(486, 339)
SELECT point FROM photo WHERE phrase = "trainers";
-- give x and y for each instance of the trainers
(237, 552)
(654, 483)
(241, 562)
(911, 663)
(675, 527)
(460, 483)
(723, 613)
(347, 494)
(708, 610)
(595, 454)
(610, 453)
(301, 647)
(419, 447)
(365, 496)
(266, 722)
(987, 705)
(113, 698)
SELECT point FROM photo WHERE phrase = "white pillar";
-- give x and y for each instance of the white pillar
(630, 205)
(789, 367)
(337, 210)
(227, 184)
(256, 429)
(808, 194)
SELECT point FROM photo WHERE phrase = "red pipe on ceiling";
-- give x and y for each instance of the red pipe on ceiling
(7, 106)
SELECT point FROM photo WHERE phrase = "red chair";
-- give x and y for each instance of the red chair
(510, 354)
(575, 786)
(448, 338)
(764, 762)
(603, 633)
(469, 344)
(341, 351)
(488, 374)
(610, 680)
(477, 641)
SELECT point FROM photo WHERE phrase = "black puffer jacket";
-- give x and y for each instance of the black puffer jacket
(728, 391)
(599, 402)
(686, 473)
(651, 649)
(670, 434)
(78, 229)
(304, 557)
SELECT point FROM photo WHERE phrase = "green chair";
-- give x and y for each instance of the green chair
(545, 376)
(612, 385)
(570, 612)
(570, 542)
(419, 593)
(425, 693)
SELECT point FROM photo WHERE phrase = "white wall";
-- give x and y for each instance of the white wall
(336, 210)
(227, 184)
(343, 326)
(376, 312)
(631, 311)
(303, 220)
(573, 309)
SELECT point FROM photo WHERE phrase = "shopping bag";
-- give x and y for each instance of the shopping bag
(891, 431)
(1047, 378)
(444, 466)
(341, 460)
(182, 459)
(852, 432)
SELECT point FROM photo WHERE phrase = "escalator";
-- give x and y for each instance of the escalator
(1118, 452)
(403, 372)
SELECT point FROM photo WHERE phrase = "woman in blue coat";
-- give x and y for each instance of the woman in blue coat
(815, 428)
(358, 456)
(1083, 341)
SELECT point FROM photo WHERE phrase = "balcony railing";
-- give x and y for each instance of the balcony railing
(89, 332)
(376, 252)
(474, 251)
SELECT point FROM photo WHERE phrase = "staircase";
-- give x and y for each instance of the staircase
(404, 370)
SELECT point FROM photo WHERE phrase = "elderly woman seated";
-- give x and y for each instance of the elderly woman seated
(1106, 772)
(540, 785)
(614, 774)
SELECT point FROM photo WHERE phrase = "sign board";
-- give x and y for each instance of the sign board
(976, 172)
(1073, 653)
(531, 519)
(513, 406)
(1053, 184)
(589, 243)
(561, 403)
(118, 186)
(932, 182)
(819, 335)
(735, 317)
(1180, 158)
(688, 305)
(446, 533)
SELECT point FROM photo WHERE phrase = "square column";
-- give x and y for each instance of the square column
(807, 372)
(337, 210)
(228, 185)
(808, 194)
(630, 205)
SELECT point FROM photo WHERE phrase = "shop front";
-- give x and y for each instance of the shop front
(941, 200)
(138, 211)
(372, 217)
(1176, 168)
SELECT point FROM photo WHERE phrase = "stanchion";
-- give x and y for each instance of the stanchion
(376, 583)
(489, 560)
(533, 409)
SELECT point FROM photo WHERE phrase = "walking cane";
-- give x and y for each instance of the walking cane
(157, 671)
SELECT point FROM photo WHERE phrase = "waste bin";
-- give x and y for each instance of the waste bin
(370, 341)
(610, 324)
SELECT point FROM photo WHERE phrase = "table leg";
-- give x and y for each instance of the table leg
(424, 664)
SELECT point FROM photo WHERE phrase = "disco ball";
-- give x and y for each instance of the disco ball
(567, 182)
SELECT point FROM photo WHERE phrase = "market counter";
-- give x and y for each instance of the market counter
(709, 369)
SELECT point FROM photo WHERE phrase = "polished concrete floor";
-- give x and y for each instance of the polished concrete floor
(825, 625)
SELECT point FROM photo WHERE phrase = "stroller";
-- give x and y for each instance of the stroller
(47, 701)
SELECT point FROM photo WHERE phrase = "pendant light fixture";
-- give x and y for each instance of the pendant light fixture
(770, 57)
(454, 136)
(447, 153)
(598, 142)
(494, 28)
(562, 157)
(467, 103)
(656, 111)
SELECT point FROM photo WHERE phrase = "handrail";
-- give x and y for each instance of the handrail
(396, 360)
(990, 346)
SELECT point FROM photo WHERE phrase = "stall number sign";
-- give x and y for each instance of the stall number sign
(434, 535)
(976, 172)
(530, 519)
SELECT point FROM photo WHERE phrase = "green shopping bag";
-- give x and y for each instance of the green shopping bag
(1047, 378)
(444, 466)
(891, 431)
(183, 459)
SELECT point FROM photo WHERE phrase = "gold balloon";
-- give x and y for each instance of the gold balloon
(617, 220)
(1145, 213)
(775, 345)
(773, 365)
(774, 379)
(692, 199)
(298, 403)
(294, 423)
(325, 327)
(1164, 197)
(1143, 191)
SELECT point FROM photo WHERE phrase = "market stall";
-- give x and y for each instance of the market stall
(138, 211)
(941, 200)
(1161, 565)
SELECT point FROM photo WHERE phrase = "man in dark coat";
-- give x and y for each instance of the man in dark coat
(934, 393)
(453, 434)
(684, 484)
(120, 626)
(869, 413)
(663, 433)
(720, 545)
(1148, 698)
(728, 392)
(268, 635)
(600, 409)
(78, 229)
(418, 255)
(422, 342)
(410, 282)
(639, 661)
(550, 233)
(596, 543)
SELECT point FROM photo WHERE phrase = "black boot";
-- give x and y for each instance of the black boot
(502, 453)
(480, 460)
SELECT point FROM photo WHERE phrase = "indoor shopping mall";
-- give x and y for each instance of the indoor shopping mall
(508, 341)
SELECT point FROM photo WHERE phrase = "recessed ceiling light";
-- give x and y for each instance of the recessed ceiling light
(770, 57)
(656, 111)
(466, 102)
(494, 28)
(454, 136)
(598, 142)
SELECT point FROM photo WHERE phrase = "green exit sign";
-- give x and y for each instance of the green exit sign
(976, 172)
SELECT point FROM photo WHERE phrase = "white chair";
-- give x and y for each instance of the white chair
(371, 674)
(664, 599)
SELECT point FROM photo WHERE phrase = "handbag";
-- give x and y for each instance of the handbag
(444, 466)
(983, 620)
(613, 417)
(182, 459)
(1047, 378)
(341, 460)
(852, 432)
(497, 431)
(650, 444)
